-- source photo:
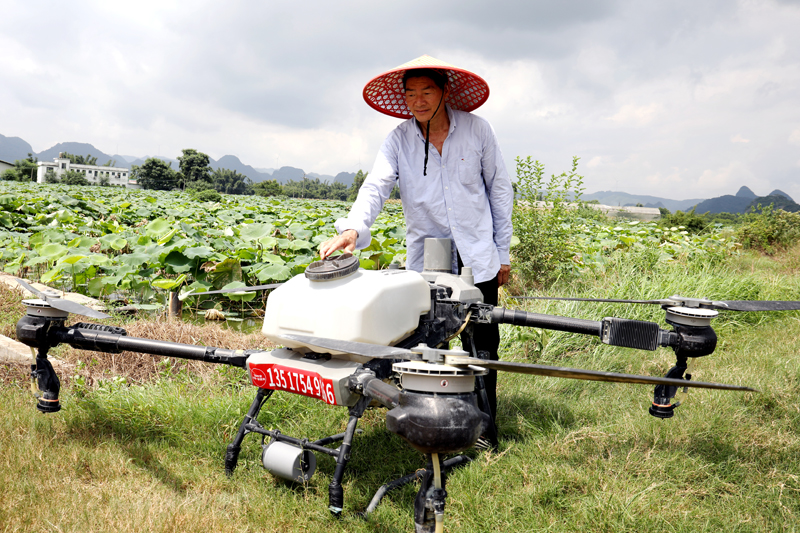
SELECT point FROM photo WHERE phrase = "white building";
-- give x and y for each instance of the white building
(5, 165)
(93, 173)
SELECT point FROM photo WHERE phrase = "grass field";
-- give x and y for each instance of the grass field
(143, 452)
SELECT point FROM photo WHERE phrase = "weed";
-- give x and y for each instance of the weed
(541, 220)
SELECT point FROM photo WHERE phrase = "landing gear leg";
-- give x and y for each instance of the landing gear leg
(430, 500)
(232, 452)
(335, 490)
(480, 389)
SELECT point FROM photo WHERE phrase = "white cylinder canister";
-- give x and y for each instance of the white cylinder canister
(289, 462)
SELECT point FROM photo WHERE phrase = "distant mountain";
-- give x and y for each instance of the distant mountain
(746, 200)
(266, 170)
(79, 149)
(778, 201)
(13, 148)
(725, 204)
(622, 198)
(232, 162)
(345, 177)
(776, 192)
(285, 174)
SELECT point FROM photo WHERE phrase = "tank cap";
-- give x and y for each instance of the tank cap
(333, 267)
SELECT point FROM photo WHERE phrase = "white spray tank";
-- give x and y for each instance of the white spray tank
(334, 299)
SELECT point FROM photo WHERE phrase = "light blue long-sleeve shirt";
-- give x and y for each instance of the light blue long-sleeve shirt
(466, 195)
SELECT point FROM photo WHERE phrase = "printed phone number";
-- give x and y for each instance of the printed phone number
(310, 384)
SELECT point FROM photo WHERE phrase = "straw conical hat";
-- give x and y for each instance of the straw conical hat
(385, 93)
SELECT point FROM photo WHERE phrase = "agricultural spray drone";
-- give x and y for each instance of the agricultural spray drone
(362, 339)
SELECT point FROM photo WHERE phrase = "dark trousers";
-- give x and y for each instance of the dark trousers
(487, 339)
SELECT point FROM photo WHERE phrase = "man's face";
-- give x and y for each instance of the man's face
(422, 98)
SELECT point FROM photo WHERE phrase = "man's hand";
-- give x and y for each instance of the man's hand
(502, 275)
(344, 241)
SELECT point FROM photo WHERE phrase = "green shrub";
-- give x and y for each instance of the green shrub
(50, 176)
(693, 222)
(208, 195)
(769, 230)
(73, 177)
(543, 229)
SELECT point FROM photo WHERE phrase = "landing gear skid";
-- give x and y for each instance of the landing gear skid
(341, 454)
(429, 501)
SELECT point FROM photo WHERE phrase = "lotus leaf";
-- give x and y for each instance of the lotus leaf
(239, 297)
(177, 262)
(273, 273)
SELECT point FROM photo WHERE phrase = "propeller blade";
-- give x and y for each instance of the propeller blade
(64, 305)
(590, 375)
(375, 351)
(752, 305)
(31, 290)
(680, 301)
(185, 295)
(608, 300)
(75, 308)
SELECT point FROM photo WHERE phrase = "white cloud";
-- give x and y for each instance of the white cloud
(636, 115)
(595, 162)
(649, 94)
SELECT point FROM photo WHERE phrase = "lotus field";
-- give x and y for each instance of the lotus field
(142, 244)
(139, 244)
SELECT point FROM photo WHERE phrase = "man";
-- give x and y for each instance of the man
(452, 178)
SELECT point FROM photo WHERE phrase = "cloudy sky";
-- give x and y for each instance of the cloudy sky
(672, 98)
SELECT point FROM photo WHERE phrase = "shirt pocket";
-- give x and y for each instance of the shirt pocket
(470, 172)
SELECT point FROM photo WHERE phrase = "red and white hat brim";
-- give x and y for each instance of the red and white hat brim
(385, 93)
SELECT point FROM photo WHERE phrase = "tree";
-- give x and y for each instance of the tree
(338, 191)
(50, 176)
(24, 170)
(194, 166)
(268, 188)
(231, 182)
(307, 188)
(155, 174)
(357, 182)
(197, 186)
(73, 177)
(80, 160)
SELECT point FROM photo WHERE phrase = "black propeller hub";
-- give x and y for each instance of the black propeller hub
(694, 341)
(34, 330)
(438, 423)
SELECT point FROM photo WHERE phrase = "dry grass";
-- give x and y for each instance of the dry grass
(143, 368)
(11, 309)
(134, 367)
